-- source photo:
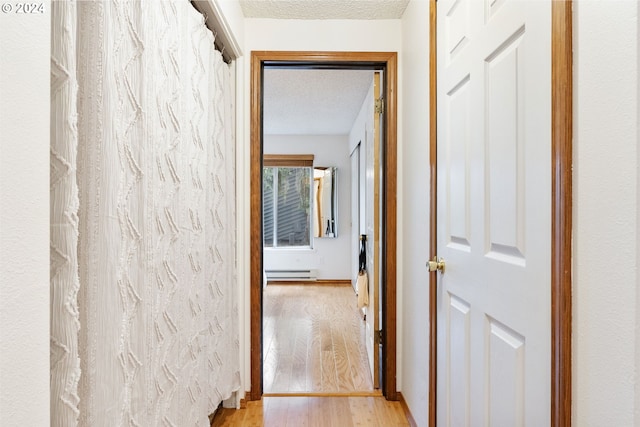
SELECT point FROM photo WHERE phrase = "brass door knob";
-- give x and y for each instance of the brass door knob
(436, 264)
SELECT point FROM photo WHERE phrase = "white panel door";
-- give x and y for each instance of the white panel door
(494, 198)
(373, 187)
(355, 215)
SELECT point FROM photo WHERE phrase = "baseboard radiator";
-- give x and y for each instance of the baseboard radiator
(276, 275)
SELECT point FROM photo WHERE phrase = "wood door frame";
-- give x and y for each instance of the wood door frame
(383, 60)
(561, 210)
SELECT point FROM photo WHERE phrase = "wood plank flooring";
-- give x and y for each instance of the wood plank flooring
(314, 340)
(294, 411)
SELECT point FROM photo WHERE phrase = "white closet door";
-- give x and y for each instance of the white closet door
(494, 197)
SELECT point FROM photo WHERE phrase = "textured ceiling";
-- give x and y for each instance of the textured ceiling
(313, 102)
(324, 9)
(316, 102)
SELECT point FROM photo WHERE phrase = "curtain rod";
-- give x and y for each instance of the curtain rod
(214, 21)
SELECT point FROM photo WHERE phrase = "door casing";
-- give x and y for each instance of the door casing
(370, 60)
(561, 211)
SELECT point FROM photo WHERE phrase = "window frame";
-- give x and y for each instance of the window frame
(287, 161)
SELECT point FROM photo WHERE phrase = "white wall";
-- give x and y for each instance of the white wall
(24, 218)
(322, 35)
(414, 218)
(331, 257)
(357, 135)
(605, 290)
(231, 13)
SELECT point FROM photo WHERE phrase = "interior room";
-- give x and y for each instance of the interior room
(314, 333)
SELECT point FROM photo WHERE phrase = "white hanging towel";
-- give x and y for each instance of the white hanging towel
(362, 288)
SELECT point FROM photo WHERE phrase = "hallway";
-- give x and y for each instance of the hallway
(605, 125)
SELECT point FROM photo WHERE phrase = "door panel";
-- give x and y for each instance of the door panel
(456, 27)
(494, 198)
(372, 223)
(355, 214)
(504, 144)
(505, 373)
(458, 352)
(458, 216)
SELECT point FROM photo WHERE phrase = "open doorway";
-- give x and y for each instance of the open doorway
(385, 63)
(316, 339)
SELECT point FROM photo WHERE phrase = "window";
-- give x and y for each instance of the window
(286, 196)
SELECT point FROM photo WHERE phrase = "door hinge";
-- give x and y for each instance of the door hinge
(379, 106)
(379, 337)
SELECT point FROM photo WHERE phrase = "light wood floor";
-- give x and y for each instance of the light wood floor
(314, 340)
(314, 411)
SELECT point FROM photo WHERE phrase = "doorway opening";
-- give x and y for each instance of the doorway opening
(376, 61)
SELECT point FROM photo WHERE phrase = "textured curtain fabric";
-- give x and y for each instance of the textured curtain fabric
(65, 362)
(158, 334)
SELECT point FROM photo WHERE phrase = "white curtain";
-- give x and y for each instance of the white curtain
(64, 315)
(156, 331)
